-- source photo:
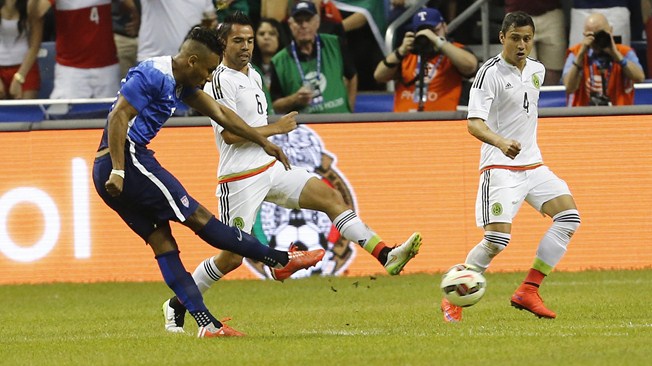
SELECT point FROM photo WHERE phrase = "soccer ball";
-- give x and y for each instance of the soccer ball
(463, 285)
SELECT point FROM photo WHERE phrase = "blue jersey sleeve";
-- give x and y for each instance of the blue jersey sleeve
(141, 89)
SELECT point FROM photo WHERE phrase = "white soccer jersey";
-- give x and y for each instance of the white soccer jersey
(244, 95)
(508, 100)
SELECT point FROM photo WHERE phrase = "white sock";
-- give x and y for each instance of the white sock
(206, 274)
(352, 228)
(552, 246)
(491, 244)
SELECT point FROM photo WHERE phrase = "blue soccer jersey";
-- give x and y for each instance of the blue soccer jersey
(151, 89)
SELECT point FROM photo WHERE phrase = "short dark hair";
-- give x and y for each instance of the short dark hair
(516, 19)
(225, 27)
(208, 37)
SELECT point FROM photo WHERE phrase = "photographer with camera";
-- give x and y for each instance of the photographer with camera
(427, 68)
(599, 71)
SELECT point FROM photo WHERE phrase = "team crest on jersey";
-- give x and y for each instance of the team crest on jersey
(238, 222)
(536, 81)
(307, 229)
(185, 202)
(496, 209)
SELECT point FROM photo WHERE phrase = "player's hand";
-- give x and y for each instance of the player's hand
(287, 123)
(114, 185)
(510, 148)
(275, 151)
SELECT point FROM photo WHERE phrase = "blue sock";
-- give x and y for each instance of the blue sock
(181, 282)
(234, 240)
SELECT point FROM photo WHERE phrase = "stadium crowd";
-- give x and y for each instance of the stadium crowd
(97, 41)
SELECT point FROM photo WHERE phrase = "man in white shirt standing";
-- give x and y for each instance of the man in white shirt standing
(247, 177)
(503, 115)
(165, 23)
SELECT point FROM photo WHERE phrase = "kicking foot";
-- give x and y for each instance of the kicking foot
(400, 255)
(298, 260)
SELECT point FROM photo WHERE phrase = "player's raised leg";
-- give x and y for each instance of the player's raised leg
(317, 195)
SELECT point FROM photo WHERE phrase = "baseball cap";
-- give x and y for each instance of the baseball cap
(428, 17)
(303, 7)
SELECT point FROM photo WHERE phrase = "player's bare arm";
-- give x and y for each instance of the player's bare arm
(231, 121)
(283, 125)
(479, 129)
(118, 122)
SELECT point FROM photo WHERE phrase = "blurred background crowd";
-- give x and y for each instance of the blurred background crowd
(93, 43)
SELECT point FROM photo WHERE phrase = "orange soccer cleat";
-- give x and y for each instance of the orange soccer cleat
(526, 297)
(452, 313)
(210, 331)
(298, 260)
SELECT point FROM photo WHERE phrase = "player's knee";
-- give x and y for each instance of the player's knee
(495, 242)
(566, 223)
(493, 249)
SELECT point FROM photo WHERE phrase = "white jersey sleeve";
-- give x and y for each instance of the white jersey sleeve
(483, 91)
(223, 90)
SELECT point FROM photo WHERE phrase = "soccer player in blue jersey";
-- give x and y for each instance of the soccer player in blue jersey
(147, 197)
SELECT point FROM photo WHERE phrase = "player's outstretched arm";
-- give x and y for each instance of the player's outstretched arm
(479, 129)
(118, 121)
(283, 125)
(226, 118)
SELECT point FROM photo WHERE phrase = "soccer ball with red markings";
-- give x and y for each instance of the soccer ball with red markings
(463, 285)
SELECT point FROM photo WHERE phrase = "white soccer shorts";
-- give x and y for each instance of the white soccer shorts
(501, 192)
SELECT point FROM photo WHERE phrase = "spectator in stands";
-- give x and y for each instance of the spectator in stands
(165, 23)
(312, 74)
(550, 43)
(21, 31)
(599, 71)
(269, 41)
(352, 25)
(86, 61)
(427, 68)
(126, 21)
(646, 12)
(616, 11)
(228, 7)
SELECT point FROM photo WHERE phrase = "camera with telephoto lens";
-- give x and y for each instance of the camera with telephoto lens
(422, 45)
(601, 40)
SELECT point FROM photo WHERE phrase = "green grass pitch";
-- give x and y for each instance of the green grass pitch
(604, 318)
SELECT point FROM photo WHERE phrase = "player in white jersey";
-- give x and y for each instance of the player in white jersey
(247, 177)
(503, 115)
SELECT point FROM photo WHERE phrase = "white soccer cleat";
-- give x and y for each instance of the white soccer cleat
(173, 321)
(400, 255)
